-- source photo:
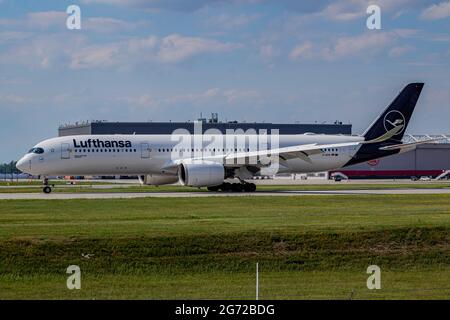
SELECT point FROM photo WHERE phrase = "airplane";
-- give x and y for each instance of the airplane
(162, 159)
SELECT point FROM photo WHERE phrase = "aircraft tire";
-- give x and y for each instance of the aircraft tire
(225, 187)
(251, 187)
(47, 189)
(237, 187)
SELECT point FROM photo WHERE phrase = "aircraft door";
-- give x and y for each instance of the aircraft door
(145, 150)
(65, 151)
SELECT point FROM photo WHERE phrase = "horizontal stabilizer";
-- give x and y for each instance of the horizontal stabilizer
(407, 146)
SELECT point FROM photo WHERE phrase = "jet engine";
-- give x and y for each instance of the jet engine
(201, 174)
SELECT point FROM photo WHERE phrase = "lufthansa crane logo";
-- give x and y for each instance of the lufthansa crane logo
(394, 119)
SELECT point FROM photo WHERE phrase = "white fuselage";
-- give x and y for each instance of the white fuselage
(150, 154)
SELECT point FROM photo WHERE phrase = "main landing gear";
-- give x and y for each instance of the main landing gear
(234, 187)
(47, 188)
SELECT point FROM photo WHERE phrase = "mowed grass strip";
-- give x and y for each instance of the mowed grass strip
(99, 188)
(155, 217)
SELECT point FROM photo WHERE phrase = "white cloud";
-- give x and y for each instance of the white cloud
(95, 56)
(300, 51)
(212, 96)
(436, 11)
(74, 51)
(107, 25)
(406, 33)
(361, 46)
(399, 51)
(366, 44)
(268, 52)
(43, 51)
(352, 45)
(176, 5)
(140, 45)
(170, 49)
(231, 22)
(235, 95)
(344, 10)
(57, 19)
(46, 19)
(37, 20)
(175, 48)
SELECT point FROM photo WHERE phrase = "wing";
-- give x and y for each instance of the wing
(302, 152)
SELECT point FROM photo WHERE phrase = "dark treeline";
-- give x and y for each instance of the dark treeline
(9, 168)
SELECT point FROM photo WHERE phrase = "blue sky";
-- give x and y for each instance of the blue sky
(251, 60)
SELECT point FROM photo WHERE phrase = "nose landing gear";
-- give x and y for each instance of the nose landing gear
(47, 188)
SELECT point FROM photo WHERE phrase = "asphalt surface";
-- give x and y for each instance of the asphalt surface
(130, 195)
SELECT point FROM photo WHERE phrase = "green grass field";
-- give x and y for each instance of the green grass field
(161, 248)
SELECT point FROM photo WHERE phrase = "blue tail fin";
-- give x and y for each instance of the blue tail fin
(395, 118)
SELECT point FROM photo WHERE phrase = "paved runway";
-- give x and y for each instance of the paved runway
(117, 195)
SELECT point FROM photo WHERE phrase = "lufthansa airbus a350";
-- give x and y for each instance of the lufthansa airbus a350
(207, 160)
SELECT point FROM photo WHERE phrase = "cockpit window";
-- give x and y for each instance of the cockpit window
(36, 150)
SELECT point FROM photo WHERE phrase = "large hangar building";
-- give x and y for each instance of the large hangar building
(105, 127)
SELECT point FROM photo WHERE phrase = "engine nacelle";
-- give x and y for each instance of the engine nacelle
(201, 173)
(160, 179)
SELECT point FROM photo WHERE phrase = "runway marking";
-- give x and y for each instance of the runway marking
(97, 195)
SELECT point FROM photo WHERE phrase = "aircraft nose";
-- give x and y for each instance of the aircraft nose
(22, 164)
